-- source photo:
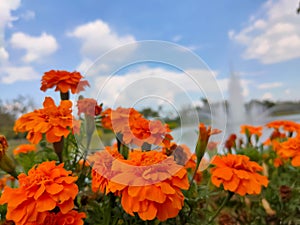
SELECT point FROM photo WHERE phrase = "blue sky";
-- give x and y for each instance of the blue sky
(259, 40)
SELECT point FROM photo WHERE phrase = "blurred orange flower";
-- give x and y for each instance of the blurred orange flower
(275, 136)
(286, 125)
(278, 162)
(52, 120)
(237, 174)
(63, 81)
(89, 106)
(253, 130)
(230, 142)
(290, 149)
(150, 185)
(24, 148)
(134, 128)
(45, 187)
(3, 145)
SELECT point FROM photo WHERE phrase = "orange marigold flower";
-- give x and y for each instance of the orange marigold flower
(238, 174)
(63, 81)
(134, 129)
(286, 125)
(24, 148)
(70, 218)
(52, 120)
(3, 145)
(102, 172)
(45, 187)
(150, 185)
(290, 149)
(89, 106)
(253, 130)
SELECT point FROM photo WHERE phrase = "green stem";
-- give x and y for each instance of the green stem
(111, 202)
(228, 197)
(196, 169)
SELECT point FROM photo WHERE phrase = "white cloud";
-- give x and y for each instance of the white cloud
(153, 86)
(28, 15)
(177, 38)
(273, 37)
(269, 85)
(3, 54)
(13, 74)
(6, 7)
(97, 38)
(287, 91)
(267, 96)
(6, 19)
(36, 47)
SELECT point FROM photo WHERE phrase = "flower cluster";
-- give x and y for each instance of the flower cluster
(44, 188)
(144, 175)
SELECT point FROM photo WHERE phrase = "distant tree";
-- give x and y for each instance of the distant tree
(268, 103)
(298, 10)
(11, 110)
(149, 113)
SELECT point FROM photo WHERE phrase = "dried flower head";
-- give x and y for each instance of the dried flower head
(3, 145)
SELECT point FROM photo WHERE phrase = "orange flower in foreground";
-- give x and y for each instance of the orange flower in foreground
(290, 149)
(89, 106)
(24, 148)
(46, 187)
(70, 218)
(151, 186)
(63, 81)
(253, 130)
(102, 172)
(238, 174)
(52, 120)
(149, 183)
